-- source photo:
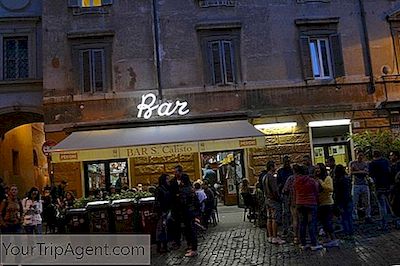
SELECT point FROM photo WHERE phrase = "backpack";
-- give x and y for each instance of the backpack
(261, 179)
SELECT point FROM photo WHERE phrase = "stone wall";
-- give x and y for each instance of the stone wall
(72, 173)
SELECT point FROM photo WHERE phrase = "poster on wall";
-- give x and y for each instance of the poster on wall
(231, 186)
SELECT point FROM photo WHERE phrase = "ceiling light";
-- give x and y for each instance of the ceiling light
(329, 123)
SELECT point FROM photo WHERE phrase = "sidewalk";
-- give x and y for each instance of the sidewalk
(234, 242)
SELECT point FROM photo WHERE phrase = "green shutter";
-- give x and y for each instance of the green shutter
(337, 56)
(306, 58)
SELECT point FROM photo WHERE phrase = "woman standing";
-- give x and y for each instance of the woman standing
(33, 207)
(163, 208)
(343, 199)
(190, 207)
(325, 208)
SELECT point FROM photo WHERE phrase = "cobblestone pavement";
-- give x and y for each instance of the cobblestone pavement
(234, 242)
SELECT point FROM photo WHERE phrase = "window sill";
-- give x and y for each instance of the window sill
(20, 81)
(78, 11)
(321, 81)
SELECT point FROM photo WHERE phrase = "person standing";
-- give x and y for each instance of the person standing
(379, 170)
(342, 186)
(359, 174)
(288, 191)
(325, 200)
(163, 208)
(11, 213)
(176, 213)
(33, 209)
(190, 206)
(210, 175)
(307, 162)
(331, 164)
(283, 174)
(209, 203)
(306, 190)
(273, 203)
(394, 157)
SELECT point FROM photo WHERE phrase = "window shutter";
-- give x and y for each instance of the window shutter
(74, 3)
(106, 2)
(306, 57)
(229, 64)
(338, 63)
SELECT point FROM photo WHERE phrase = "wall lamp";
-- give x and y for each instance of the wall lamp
(275, 125)
(329, 123)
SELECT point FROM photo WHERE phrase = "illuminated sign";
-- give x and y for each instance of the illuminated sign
(148, 106)
(68, 156)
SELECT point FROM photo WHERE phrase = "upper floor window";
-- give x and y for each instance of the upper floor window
(89, 3)
(221, 53)
(320, 49)
(320, 58)
(15, 58)
(92, 61)
(221, 57)
(92, 70)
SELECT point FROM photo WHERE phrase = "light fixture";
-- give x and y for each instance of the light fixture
(329, 123)
(275, 125)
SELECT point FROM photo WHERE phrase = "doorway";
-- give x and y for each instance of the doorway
(229, 166)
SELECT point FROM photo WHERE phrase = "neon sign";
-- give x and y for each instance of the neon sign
(148, 106)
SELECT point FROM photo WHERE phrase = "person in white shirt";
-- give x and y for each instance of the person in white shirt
(32, 207)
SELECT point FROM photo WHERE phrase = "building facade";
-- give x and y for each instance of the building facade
(266, 62)
(22, 161)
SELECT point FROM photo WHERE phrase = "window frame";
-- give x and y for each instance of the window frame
(17, 37)
(210, 34)
(81, 44)
(222, 61)
(320, 57)
(92, 70)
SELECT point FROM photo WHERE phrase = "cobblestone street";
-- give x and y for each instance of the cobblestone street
(234, 242)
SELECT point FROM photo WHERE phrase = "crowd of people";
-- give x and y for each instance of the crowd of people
(26, 215)
(303, 199)
(179, 202)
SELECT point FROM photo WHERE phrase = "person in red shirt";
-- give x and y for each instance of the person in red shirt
(306, 191)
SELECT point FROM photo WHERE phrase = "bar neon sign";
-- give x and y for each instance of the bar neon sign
(148, 106)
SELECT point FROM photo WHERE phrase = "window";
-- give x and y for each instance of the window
(15, 58)
(15, 162)
(90, 3)
(221, 57)
(35, 159)
(92, 70)
(220, 44)
(320, 58)
(320, 49)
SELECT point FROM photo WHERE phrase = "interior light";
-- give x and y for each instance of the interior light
(275, 125)
(329, 123)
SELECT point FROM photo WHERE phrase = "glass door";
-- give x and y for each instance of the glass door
(101, 175)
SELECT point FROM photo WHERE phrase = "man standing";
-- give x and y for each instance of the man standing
(283, 174)
(331, 164)
(176, 214)
(210, 176)
(359, 174)
(395, 167)
(307, 162)
(379, 170)
(273, 203)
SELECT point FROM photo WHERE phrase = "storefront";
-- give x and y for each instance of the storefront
(125, 157)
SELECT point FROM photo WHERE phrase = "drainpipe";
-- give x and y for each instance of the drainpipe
(368, 61)
(157, 48)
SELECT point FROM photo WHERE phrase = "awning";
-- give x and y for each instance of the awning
(157, 141)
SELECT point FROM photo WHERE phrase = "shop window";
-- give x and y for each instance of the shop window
(221, 54)
(15, 58)
(102, 175)
(320, 49)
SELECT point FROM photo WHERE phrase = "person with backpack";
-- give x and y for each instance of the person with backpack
(11, 212)
(32, 206)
